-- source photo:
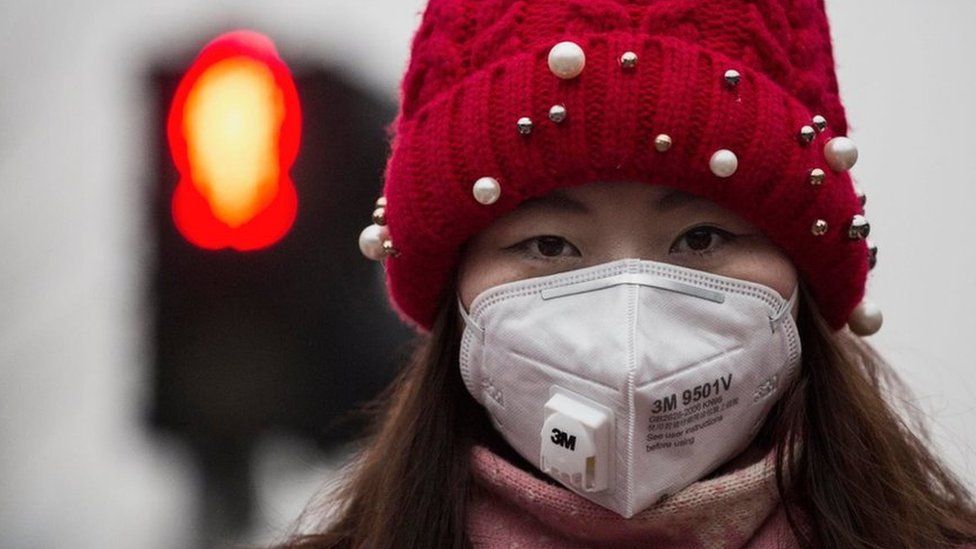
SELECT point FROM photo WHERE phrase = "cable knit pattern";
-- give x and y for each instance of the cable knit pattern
(477, 66)
(739, 508)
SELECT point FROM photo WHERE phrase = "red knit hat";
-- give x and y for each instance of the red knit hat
(735, 101)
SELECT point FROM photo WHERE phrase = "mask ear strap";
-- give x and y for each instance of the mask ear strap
(467, 320)
(786, 308)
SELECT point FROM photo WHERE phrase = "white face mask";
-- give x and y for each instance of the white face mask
(629, 380)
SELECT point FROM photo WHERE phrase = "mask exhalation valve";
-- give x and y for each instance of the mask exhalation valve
(576, 439)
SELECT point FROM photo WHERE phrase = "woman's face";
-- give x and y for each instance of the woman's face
(585, 225)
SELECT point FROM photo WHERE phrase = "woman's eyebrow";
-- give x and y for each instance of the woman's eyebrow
(675, 199)
(555, 201)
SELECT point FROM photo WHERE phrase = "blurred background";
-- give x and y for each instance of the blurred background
(154, 393)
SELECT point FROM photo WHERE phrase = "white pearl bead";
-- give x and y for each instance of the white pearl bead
(486, 190)
(840, 153)
(371, 241)
(866, 319)
(723, 163)
(566, 60)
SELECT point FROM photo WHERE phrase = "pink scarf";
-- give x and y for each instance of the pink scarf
(736, 507)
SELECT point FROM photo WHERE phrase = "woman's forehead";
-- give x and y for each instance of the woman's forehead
(582, 199)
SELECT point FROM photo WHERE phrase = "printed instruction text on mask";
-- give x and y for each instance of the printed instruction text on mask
(676, 417)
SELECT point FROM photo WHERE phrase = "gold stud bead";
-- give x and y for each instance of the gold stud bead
(819, 227)
(389, 250)
(662, 142)
(817, 176)
(379, 216)
(807, 134)
(820, 123)
(628, 60)
(557, 113)
(381, 202)
(732, 78)
(859, 229)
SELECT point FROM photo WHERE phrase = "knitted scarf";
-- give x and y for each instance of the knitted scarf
(735, 506)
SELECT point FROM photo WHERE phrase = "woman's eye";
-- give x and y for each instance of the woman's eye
(547, 246)
(701, 240)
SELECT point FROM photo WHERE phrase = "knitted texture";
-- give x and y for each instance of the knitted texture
(737, 508)
(477, 66)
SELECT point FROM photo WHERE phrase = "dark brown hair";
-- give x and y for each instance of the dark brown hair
(859, 477)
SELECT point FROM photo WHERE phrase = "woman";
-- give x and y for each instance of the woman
(629, 237)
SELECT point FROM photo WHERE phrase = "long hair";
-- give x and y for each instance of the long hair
(865, 474)
(861, 475)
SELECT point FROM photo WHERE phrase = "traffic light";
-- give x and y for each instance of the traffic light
(234, 130)
(266, 316)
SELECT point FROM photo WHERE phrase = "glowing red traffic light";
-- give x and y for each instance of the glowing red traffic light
(233, 130)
